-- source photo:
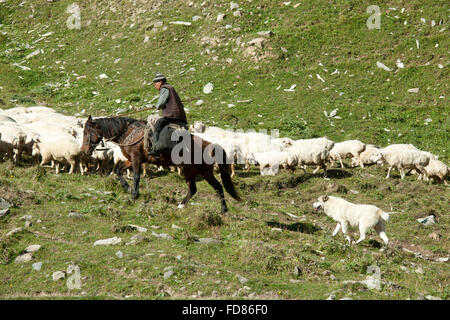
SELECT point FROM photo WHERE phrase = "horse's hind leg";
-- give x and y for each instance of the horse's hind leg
(192, 187)
(137, 176)
(208, 175)
(120, 168)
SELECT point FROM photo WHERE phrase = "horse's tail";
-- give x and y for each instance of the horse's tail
(225, 175)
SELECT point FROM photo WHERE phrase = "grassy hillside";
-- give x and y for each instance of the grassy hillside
(313, 40)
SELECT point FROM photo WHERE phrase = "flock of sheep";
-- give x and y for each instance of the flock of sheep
(56, 138)
(274, 153)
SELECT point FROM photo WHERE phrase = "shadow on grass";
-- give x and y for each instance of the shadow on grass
(304, 227)
(338, 174)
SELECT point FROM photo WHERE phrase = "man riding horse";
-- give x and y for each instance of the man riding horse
(173, 111)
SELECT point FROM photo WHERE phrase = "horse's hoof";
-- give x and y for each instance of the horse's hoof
(181, 206)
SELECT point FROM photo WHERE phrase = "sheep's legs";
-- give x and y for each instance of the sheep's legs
(389, 172)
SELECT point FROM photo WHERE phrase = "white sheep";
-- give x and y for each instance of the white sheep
(401, 157)
(271, 161)
(59, 149)
(371, 155)
(311, 155)
(436, 169)
(347, 149)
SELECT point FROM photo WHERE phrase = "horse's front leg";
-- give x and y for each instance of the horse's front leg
(119, 170)
(137, 176)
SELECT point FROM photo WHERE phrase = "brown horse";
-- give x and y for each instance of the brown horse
(129, 134)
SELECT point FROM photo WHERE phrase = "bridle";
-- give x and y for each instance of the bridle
(89, 143)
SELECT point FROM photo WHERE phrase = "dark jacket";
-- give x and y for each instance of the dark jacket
(174, 108)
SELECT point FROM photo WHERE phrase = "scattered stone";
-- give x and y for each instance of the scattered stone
(208, 88)
(258, 42)
(266, 34)
(119, 254)
(109, 241)
(199, 102)
(427, 221)
(24, 258)
(75, 215)
(26, 217)
(237, 13)
(432, 298)
(435, 236)
(168, 274)
(136, 239)
(180, 23)
(297, 271)
(346, 298)
(383, 66)
(58, 275)
(400, 64)
(277, 229)
(208, 241)
(28, 224)
(295, 281)
(4, 204)
(220, 17)
(13, 231)
(354, 191)
(37, 266)
(32, 248)
(103, 76)
(419, 270)
(332, 296)
(164, 236)
(413, 90)
(234, 6)
(4, 212)
(242, 279)
(174, 226)
(140, 229)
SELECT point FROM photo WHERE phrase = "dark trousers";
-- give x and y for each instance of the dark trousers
(160, 124)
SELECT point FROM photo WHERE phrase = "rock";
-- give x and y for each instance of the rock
(26, 217)
(164, 236)
(346, 298)
(28, 224)
(24, 258)
(180, 23)
(140, 229)
(208, 88)
(432, 298)
(58, 275)
(419, 270)
(234, 6)
(220, 17)
(237, 13)
(435, 236)
(4, 204)
(4, 212)
(32, 248)
(119, 254)
(196, 18)
(373, 282)
(199, 102)
(427, 221)
(168, 274)
(297, 271)
(242, 279)
(103, 76)
(413, 90)
(37, 266)
(13, 231)
(174, 226)
(136, 239)
(75, 215)
(158, 24)
(354, 191)
(400, 64)
(332, 296)
(258, 42)
(209, 241)
(109, 241)
(266, 34)
(382, 66)
(277, 229)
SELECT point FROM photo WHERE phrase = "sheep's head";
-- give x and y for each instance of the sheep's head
(376, 157)
(35, 150)
(198, 127)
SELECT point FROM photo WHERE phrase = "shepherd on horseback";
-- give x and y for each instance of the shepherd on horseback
(173, 112)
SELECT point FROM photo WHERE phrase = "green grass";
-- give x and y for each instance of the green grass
(320, 37)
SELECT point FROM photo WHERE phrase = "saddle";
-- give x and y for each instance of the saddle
(165, 137)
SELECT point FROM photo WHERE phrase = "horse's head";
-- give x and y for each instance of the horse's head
(92, 136)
